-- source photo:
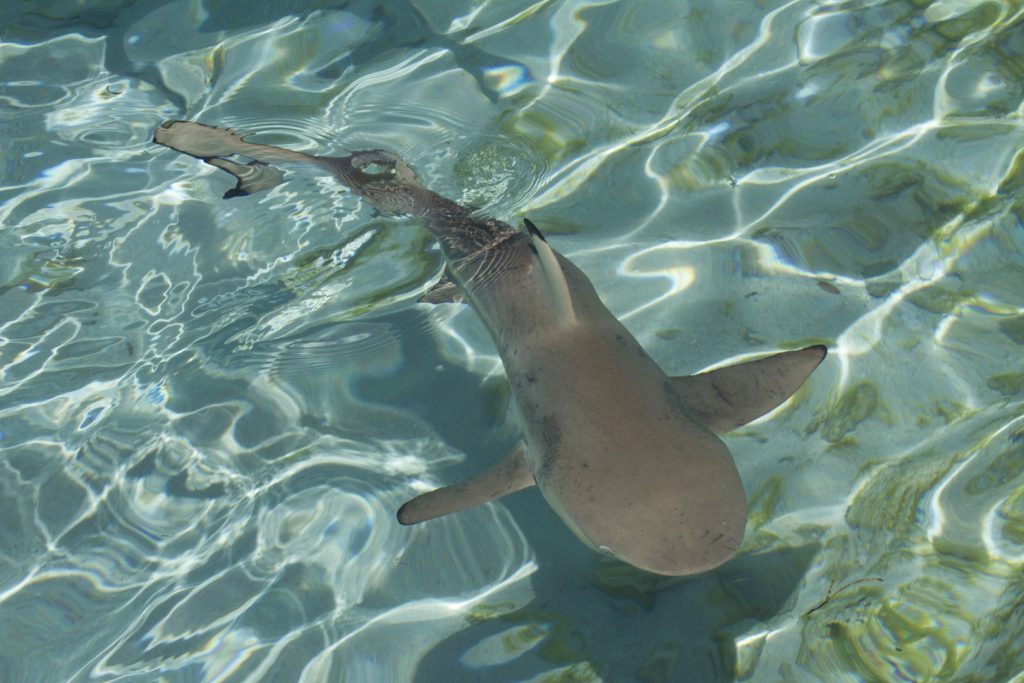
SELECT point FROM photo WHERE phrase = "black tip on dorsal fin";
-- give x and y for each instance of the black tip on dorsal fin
(532, 229)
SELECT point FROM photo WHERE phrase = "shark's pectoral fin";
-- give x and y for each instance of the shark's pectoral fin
(444, 291)
(511, 474)
(252, 177)
(729, 397)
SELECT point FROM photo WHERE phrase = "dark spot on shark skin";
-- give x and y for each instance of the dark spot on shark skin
(531, 378)
(633, 344)
(545, 467)
(720, 393)
(550, 436)
(551, 432)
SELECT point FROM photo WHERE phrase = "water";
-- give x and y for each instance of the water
(210, 410)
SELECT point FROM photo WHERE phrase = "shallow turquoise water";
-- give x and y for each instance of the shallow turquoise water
(210, 410)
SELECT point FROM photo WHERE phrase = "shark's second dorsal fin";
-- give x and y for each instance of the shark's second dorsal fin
(552, 270)
(511, 474)
(730, 397)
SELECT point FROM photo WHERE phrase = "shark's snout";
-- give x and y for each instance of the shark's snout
(683, 554)
(676, 549)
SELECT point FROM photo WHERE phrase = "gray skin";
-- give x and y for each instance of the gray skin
(627, 457)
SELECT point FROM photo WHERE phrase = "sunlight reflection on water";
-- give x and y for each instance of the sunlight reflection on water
(210, 410)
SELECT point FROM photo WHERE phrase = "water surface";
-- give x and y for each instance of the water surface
(210, 409)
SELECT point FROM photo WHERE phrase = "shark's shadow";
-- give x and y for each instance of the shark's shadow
(595, 615)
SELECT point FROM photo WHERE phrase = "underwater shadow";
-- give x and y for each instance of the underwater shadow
(595, 618)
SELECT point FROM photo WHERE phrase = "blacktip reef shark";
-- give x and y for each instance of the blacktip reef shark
(629, 458)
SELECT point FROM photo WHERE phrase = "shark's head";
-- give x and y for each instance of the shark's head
(676, 512)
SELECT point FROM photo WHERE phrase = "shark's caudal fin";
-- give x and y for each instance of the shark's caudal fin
(730, 397)
(213, 144)
(553, 273)
(385, 179)
(204, 142)
(511, 474)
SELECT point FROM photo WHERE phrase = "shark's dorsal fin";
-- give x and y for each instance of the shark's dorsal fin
(553, 273)
(730, 397)
(511, 474)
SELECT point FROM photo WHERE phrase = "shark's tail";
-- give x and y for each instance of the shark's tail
(383, 178)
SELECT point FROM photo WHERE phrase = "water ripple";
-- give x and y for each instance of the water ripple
(210, 410)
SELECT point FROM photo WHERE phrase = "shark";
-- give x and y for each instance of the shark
(632, 460)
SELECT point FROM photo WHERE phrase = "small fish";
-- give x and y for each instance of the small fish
(629, 458)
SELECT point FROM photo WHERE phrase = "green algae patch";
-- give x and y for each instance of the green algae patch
(1011, 511)
(945, 411)
(763, 502)
(888, 181)
(1001, 632)
(486, 611)
(881, 289)
(1006, 466)
(890, 499)
(554, 636)
(1013, 181)
(856, 404)
(916, 632)
(939, 300)
(1008, 384)
(956, 29)
(1013, 328)
(583, 672)
(523, 638)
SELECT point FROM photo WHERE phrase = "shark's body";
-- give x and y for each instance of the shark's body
(627, 457)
